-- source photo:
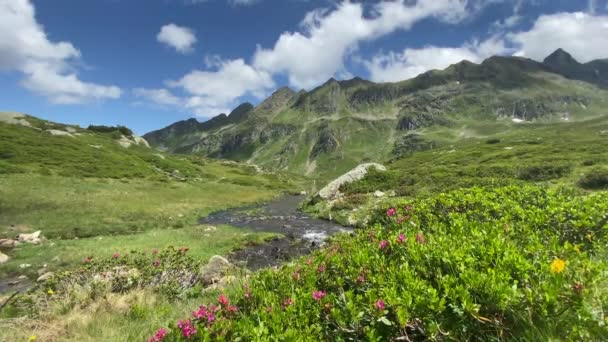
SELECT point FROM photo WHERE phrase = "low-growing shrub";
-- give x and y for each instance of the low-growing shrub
(514, 263)
(595, 179)
(543, 172)
(110, 129)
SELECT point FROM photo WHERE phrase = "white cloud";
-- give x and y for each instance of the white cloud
(312, 57)
(242, 2)
(583, 35)
(393, 67)
(208, 93)
(159, 96)
(24, 47)
(182, 39)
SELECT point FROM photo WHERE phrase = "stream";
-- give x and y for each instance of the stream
(301, 233)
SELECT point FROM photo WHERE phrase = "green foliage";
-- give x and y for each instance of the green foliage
(543, 172)
(595, 179)
(513, 263)
(121, 130)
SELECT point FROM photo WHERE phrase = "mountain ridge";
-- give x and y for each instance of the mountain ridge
(328, 129)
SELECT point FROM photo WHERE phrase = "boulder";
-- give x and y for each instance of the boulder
(33, 238)
(3, 258)
(379, 194)
(332, 190)
(221, 284)
(45, 276)
(8, 243)
(214, 270)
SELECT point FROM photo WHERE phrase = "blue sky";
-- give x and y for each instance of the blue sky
(148, 63)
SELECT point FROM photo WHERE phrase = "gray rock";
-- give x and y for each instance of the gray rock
(214, 270)
(45, 276)
(332, 190)
(3, 258)
(33, 238)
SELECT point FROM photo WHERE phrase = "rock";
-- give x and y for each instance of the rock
(25, 266)
(303, 193)
(45, 276)
(33, 238)
(8, 243)
(379, 194)
(221, 284)
(210, 229)
(59, 133)
(3, 258)
(332, 190)
(42, 271)
(177, 175)
(22, 277)
(14, 119)
(215, 269)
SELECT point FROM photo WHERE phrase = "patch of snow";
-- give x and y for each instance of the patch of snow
(517, 120)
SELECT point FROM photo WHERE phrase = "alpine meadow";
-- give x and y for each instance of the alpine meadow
(425, 170)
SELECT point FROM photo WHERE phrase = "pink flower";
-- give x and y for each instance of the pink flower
(187, 328)
(210, 317)
(321, 268)
(202, 312)
(318, 295)
(115, 255)
(308, 262)
(156, 263)
(247, 292)
(383, 244)
(223, 300)
(401, 238)
(361, 279)
(408, 207)
(420, 238)
(214, 308)
(232, 309)
(391, 212)
(159, 336)
(287, 302)
(400, 220)
(380, 304)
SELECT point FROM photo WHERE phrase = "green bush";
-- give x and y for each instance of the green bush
(110, 129)
(595, 179)
(543, 172)
(513, 263)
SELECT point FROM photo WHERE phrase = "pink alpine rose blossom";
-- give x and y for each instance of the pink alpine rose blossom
(401, 238)
(391, 212)
(318, 295)
(380, 304)
(223, 300)
(383, 244)
(159, 336)
(188, 330)
(420, 238)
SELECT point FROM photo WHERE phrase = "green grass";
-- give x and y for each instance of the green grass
(65, 254)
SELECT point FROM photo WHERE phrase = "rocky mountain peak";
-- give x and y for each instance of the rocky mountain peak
(560, 58)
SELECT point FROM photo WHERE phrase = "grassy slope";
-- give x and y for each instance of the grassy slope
(113, 198)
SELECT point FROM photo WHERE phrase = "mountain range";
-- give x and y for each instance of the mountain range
(332, 128)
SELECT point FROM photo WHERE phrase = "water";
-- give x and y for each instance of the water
(302, 233)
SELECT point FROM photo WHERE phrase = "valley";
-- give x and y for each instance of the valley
(461, 203)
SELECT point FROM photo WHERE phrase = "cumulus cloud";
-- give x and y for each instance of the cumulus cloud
(208, 93)
(393, 67)
(311, 57)
(583, 35)
(24, 47)
(182, 39)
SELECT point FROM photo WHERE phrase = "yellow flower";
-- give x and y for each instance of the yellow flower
(33, 338)
(50, 292)
(558, 265)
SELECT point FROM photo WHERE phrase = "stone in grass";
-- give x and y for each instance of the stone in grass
(214, 270)
(3, 258)
(45, 276)
(33, 238)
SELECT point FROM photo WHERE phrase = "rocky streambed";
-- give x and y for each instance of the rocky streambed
(301, 233)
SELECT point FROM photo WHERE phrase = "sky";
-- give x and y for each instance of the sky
(148, 63)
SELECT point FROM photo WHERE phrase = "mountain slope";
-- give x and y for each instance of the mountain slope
(328, 130)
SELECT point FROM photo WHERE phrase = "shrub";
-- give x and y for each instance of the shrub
(110, 129)
(513, 263)
(595, 179)
(493, 141)
(543, 172)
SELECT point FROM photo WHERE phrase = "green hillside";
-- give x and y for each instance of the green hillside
(88, 194)
(328, 130)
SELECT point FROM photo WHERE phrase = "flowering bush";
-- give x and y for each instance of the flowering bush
(518, 263)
